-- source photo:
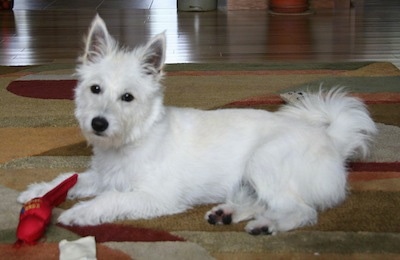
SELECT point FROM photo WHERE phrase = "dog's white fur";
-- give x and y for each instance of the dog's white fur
(274, 169)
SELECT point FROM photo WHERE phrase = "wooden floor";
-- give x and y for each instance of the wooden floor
(43, 31)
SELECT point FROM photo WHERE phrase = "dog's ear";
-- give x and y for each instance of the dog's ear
(98, 42)
(154, 55)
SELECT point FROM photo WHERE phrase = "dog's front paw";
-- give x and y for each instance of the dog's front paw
(34, 191)
(219, 215)
(82, 214)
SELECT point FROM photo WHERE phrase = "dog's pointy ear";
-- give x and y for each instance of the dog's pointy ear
(154, 55)
(98, 42)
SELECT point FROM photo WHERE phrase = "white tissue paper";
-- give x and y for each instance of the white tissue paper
(81, 249)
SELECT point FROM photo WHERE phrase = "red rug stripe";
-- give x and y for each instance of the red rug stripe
(43, 89)
(379, 98)
(50, 251)
(120, 233)
(374, 166)
(64, 89)
(257, 101)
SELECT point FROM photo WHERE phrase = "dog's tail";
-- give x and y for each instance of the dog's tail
(345, 118)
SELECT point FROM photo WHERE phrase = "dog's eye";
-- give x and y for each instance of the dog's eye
(95, 89)
(127, 97)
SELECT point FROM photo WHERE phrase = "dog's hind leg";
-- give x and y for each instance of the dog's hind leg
(241, 205)
(283, 214)
(271, 173)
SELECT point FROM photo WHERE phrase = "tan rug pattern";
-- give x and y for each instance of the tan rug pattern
(40, 139)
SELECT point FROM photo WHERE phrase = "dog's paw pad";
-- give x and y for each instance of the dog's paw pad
(261, 226)
(219, 217)
(260, 231)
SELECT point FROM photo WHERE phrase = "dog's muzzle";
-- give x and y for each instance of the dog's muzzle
(99, 125)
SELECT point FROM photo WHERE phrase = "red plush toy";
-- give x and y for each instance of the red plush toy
(36, 214)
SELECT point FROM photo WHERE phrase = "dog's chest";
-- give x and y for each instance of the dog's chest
(124, 171)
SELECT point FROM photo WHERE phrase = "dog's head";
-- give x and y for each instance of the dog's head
(119, 96)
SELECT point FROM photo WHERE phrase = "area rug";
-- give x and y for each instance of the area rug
(40, 139)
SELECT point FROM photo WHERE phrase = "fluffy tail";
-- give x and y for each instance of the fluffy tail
(346, 119)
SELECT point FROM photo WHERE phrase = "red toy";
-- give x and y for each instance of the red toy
(36, 214)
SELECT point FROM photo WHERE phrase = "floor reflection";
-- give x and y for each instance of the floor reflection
(40, 36)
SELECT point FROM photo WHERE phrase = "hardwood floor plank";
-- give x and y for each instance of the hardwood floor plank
(39, 31)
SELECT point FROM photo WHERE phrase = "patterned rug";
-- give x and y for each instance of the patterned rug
(40, 139)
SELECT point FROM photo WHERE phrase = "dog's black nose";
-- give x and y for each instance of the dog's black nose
(99, 124)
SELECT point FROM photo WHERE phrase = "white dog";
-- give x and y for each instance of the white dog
(274, 169)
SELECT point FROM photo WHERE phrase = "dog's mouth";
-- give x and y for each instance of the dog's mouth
(101, 134)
